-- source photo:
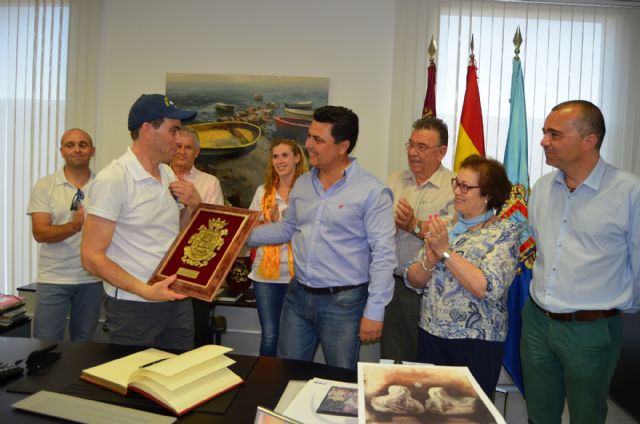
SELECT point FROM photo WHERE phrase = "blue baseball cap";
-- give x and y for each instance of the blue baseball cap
(149, 107)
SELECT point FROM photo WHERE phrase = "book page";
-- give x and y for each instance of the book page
(172, 382)
(119, 371)
(191, 394)
(182, 362)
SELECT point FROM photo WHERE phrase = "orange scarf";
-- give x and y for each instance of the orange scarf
(269, 268)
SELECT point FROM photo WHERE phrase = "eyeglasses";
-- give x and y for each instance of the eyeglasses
(464, 188)
(419, 146)
(77, 200)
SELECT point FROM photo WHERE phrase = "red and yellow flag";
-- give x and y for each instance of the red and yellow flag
(429, 107)
(471, 132)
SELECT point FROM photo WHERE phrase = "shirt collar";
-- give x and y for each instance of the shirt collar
(137, 170)
(593, 180)
(60, 178)
(597, 175)
(438, 179)
(349, 171)
(189, 173)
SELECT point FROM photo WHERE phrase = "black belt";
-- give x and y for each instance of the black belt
(579, 315)
(329, 290)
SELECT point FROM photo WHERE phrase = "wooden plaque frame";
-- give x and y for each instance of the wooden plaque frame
(204, 251)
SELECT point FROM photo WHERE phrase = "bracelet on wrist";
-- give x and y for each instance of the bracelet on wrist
(425, 267)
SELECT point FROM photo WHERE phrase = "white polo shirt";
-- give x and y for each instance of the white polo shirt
(146, 215)
(59, 263)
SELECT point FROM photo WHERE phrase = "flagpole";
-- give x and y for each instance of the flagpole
(429, 105)
(517, 167)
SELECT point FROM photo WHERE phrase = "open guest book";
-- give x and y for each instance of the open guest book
(177, 382)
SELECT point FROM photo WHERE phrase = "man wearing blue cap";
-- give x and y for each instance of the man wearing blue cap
(133, 218)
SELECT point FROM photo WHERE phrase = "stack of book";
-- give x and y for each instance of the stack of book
(12, 310)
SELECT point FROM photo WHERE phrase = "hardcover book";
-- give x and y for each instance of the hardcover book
(177, 382)
(8, 302)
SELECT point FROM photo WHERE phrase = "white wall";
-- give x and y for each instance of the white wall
(348, 41)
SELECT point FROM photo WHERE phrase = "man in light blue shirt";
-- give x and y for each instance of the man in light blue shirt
(585, 218)
(340, 222)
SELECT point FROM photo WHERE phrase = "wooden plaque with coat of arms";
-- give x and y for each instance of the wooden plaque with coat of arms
(205, 250)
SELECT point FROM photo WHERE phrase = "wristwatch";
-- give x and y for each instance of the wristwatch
(417, 229)
(446, 255)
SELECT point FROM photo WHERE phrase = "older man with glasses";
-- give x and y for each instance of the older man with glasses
(422, 190)
(57, 217)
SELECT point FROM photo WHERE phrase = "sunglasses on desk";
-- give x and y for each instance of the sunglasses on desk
(77, 200)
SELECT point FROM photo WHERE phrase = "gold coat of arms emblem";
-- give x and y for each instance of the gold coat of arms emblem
(205, 244)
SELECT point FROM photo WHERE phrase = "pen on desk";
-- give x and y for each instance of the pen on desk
(153, 362)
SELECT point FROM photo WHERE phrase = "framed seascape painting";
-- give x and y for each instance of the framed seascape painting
(422, 394)
(239, 116)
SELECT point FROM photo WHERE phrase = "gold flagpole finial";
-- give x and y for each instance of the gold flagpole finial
(433, 48)
(517, 41)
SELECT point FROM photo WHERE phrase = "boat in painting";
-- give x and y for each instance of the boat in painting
(301, 112)
(225, 107)
(292, 127)
(258, 97)
(227, 139)
(306, 104)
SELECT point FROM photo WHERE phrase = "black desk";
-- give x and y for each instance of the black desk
(20, 328)
(264, 384)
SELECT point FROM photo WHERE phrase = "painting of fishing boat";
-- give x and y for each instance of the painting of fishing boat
(300, 112)
(292, 127)
(305, 104)
(227, 139)
(237, 122)
(225, 107)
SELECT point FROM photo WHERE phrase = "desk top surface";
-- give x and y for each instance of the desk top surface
(265, 382)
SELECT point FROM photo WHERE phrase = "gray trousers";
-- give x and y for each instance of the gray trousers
(165, 325)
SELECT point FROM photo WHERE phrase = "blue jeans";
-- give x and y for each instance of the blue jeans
(331, 319)
(55, 301)
(269, 300)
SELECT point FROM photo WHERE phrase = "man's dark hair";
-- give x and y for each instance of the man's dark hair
(345, 123)
(436, 124)
(591, 121)
(156, 123)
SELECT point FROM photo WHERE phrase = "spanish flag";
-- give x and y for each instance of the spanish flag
(471, 132)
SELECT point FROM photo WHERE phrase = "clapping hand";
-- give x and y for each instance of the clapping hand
(436, 238)
(404, 215)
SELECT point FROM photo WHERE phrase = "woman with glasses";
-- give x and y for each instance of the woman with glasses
(272, 268)
(464, 271)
